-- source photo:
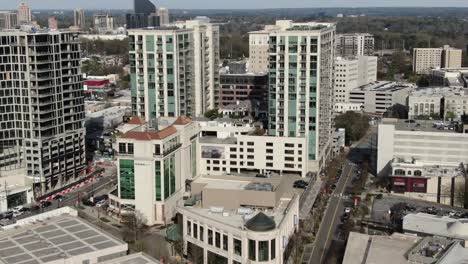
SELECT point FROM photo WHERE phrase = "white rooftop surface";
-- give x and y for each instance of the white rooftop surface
(137, 258)
(436, 225)
(383, 86)
(52, 239)
(381, 249)
(223, 184)
(437, 91)
(456, 255)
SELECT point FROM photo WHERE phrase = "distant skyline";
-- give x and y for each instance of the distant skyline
(238, 4)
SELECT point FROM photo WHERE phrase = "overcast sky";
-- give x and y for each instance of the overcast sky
(229, 4)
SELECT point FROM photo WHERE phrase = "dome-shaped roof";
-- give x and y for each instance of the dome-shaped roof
(459, 228)
(261, 223)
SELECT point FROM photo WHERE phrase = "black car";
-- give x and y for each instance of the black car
(45, 204)
(344, 217)
(300, 185)
(6, 215)
(301, 182)
(25, 209)
(88, 203)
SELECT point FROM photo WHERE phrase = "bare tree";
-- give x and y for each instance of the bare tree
(135, 224)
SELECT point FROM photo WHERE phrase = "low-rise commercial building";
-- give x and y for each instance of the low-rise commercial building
(421, 141)
(377, 97)
(434, 183)
(354, 44)
(437, 102)
(453, 77)
(235, 219)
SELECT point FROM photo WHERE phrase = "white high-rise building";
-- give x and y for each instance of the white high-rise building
(300, 86)
(354, 44)
(104, 22)
(174, 71)
(79, 18)
(163, 14)
(42, 108)
(24, 13)
(351, 73)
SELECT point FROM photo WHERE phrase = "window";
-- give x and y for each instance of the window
(251, 150)
(269, 157)
(157, 149)
(233, 162)
(269, 164)
(225, 242)
(218, 240)
(269, 151)
(189, 228)
(250, 163)
(263, 250)
(252, 252)
(233, 149)
(287, 151)
(400, 172)
(122, 148)
(250, 156)
(273, 249)
(237, 247)
(130, 148)
(250, 143)
(288, 145)
(202, 233)
(417, 173)
(210, 237)
(269, 144)
(195, 230)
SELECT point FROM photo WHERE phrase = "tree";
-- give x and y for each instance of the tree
(213, 114)
(450, 115)
(134, 224)
(397, 111)
(355, 125)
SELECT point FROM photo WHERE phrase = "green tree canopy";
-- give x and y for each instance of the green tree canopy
(355, 124)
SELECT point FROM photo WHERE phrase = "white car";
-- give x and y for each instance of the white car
(17, 209)
(101, 203)
(347, 210)
(17, 213)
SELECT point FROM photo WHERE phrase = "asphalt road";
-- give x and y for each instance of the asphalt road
(331, 218)
(335, 209)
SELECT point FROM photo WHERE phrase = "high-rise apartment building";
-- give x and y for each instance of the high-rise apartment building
(425, 59)
(104, 22)
(42, 107)
(258, 51)
(351, 73)
(24, 13)
(8, 20)
(163, 14)
(300, 85)
(355, 44)
(79, 18)
(174, 71)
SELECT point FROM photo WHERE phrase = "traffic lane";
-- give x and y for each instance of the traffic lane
(325, 225)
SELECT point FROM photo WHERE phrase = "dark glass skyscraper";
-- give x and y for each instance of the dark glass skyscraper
(144, 7)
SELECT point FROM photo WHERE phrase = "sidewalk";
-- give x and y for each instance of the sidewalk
(310, 199)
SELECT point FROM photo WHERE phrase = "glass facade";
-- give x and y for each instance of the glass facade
(169, 176)
(127, 179)
(157, 180)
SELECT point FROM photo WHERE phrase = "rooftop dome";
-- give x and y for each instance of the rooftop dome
(261, 223)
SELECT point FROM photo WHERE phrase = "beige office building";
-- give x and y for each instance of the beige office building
(354, 44)
(79, 18)
(425, 59)
(239, 219)
(258, 52)
(163, 14)
(8, 20)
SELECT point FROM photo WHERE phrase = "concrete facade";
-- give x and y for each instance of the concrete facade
(174, 70)
(233, 234)
(8, 20)
(425, 59)
(354, 44)
(242, 87)
(258, 52)
(437, 102)
(453, 77)
(377, 97)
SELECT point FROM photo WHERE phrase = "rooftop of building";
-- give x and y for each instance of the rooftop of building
(289, 25)
(445, 226)
(154, 130)
(236, 185)
(367, 249)
(384, 86)
(136, 258)
(356, 34)
(437, 91)
(430, 170)
(420, 125)
(461, 70)
(52, 239)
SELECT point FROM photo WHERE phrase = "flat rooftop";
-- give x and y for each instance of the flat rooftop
(431, 170)
(422, 223)
(367, 249)
(53, 239)
(237, 218)
(437, 91)
(419, 125)
(383, 86)
(136, 258)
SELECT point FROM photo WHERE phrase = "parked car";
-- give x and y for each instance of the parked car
(101, 203)
(344, 217)
(16, 214)
(17, 209)
(347, 210)
(300, 185)
(259, 175)
(88, 203)
(6, 215)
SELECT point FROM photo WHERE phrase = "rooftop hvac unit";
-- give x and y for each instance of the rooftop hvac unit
(244, 211)
(216, 209)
